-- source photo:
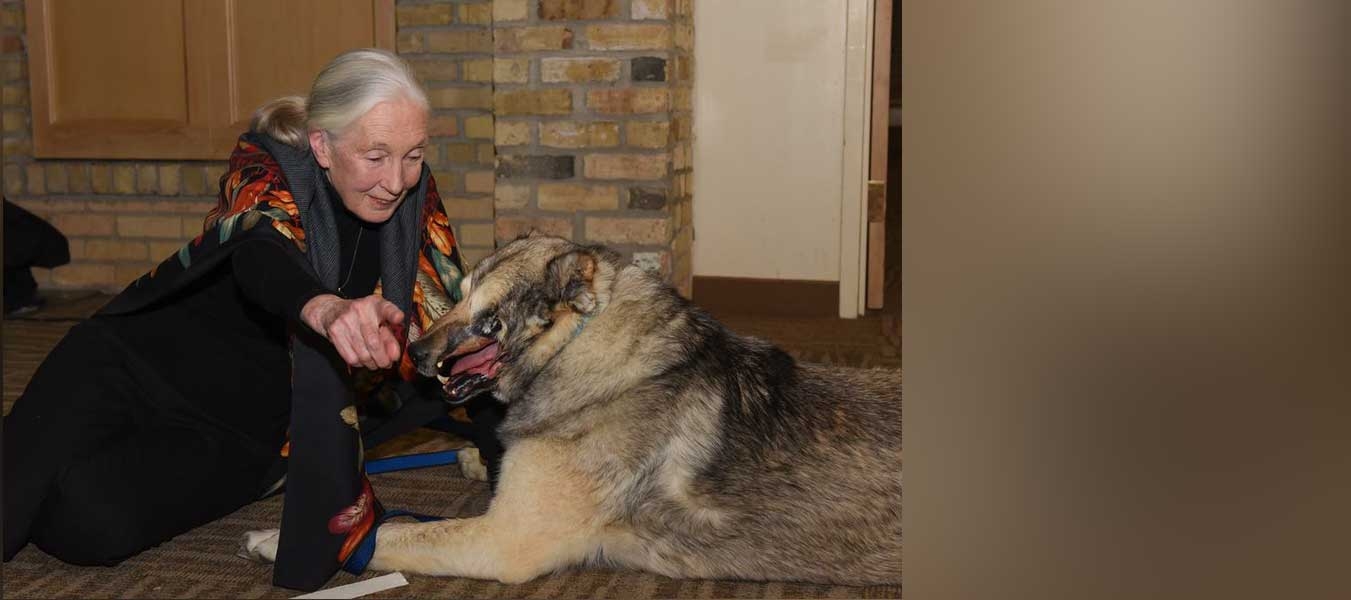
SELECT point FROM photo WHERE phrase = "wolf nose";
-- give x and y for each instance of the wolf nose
(418, 354)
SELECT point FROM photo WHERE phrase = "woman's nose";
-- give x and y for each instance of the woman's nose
(391, 178)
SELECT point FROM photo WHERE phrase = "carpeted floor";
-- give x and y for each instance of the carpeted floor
(201, 563)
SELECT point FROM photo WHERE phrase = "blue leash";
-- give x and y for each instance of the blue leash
(361, 557)
(411, 461)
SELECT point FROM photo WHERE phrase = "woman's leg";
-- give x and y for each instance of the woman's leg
(79, 399)
(142, 490)
(96, 469)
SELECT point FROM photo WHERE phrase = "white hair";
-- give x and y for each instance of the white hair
(346, 88)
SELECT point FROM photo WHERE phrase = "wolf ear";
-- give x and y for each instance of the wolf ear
(572, 278)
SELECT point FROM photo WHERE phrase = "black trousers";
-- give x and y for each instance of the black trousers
(100, 463)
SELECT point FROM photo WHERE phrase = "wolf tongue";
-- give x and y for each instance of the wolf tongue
(474, 359)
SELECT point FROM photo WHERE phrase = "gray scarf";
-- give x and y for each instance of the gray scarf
(400, 239)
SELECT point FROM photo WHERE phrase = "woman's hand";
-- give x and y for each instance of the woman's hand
(362, 330)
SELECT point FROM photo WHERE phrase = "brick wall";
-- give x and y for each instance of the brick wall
(449, 45)
(591, 138)
(122, 217)
(592, 100)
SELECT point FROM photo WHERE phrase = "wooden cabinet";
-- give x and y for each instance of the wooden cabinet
(178, 79)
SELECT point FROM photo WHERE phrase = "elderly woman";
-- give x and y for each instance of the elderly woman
(328, 252)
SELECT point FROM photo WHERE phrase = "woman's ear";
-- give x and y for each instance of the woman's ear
(319, 145)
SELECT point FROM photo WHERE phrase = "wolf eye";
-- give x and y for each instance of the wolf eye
(489, 327)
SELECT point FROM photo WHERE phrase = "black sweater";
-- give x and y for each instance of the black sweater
(223, 342)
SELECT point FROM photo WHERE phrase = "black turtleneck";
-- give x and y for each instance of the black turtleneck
(359, 267)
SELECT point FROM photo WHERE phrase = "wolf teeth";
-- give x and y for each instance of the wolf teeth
(442, 378)
(439, 363)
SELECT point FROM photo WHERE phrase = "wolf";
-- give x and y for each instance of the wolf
(642, 433)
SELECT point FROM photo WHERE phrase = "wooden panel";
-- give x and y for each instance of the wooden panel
(272, 57)
(877, 165)
(92, 83)
(103, 88)
(178, 79)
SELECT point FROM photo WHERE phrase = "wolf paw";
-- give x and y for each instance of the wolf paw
(471, 464)
(260, 545)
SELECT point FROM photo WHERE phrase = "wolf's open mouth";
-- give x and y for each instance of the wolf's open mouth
(464, 376)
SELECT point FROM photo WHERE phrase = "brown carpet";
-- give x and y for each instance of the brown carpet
(201, 563)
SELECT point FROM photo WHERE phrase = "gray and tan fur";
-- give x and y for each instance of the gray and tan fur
(643, 433)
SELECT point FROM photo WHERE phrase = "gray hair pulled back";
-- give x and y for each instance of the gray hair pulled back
(346, 88)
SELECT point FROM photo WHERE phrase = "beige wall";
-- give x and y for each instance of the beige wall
(768, 138)
(1126, 249)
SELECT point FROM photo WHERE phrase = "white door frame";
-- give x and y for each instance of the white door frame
(858, 83)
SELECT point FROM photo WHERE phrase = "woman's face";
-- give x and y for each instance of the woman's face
(376, 160)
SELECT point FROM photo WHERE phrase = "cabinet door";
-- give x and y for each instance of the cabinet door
(117, 79)
(178, 79)
(272, 56)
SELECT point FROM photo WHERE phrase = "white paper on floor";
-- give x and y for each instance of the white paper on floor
(360, 588)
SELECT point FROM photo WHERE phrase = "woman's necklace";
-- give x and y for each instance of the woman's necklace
(356, 252)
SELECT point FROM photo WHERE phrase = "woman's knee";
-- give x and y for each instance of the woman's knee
(86, 536)
(88, 523)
